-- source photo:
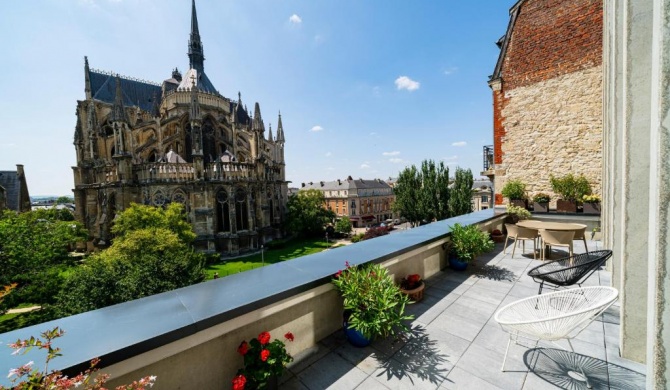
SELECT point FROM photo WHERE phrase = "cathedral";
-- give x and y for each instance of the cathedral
(178, 141)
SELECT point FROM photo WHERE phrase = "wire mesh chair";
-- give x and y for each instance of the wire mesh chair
(570, 270)
(554, 316)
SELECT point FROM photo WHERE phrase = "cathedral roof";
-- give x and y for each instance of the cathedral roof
(172, 157)
(136, 93)
(201, 81)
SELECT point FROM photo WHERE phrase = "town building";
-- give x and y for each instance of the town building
(365, 202)
(14, 190)
(482, 192)
(547, 95)
(178, 141)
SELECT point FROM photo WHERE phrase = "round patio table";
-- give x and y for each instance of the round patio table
(537, 225)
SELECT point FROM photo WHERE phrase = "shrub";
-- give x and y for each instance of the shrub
(541, 197)
(514, 189)
(357, 237)
(570, 188)
(375, 232)
(518, 212)
(468, 242)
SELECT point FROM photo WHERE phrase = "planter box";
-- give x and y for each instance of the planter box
(519, 203)
(591, 208)
(541, 207)
(566, 206)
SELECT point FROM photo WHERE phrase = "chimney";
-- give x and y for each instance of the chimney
(339, 182)
(19, 170)
(310, 183)
(321, 184)
(303, 184)
(349, 178)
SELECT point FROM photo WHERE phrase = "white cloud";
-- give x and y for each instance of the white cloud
(316, 128)
(450, 158)
(295, 19)
(394, 153)
(395, 160)
(459, 143)
(451, 70)
(365, 166)
(329, 154)
(404, 82)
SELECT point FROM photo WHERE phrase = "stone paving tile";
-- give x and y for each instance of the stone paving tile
(333, 372)
(372, 384)
(484, 295)
(308, 357)
(429, 315)
(462, 327)
(366, 359)
(396, 375)
(534, 382)
(485, 364)
(293, 384)
(450, 286)
(459, 379)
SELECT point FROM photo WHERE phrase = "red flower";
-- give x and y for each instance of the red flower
(414, 278)
(346, 263)
(243, 348)
(289, 336)
(264, 338)
(338, 274)
(239, 382)
(265, 354)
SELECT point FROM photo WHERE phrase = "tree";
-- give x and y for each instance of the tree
(423, 195)
(461, 193)
(142, 262)
(64, 199)
(307, 214)
(137, 217)
(343, 225)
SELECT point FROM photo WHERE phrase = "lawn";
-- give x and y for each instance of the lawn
(291, 250)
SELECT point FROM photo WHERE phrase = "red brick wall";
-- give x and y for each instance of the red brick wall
(552, 38)
(498, 129)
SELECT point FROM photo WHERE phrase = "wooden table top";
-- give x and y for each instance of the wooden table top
(534, 224)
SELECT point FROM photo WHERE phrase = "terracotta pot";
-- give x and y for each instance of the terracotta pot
(591, 208)
(566, 206)
(500, 238)
(415, 294)
(541, 207)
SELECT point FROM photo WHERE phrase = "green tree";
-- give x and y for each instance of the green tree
(343, 225)
(137, 217)
(307, 214)
(461, 193)
(64, 199)
(141, 263)
(423, 194)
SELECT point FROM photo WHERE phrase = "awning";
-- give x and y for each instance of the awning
(368, 217)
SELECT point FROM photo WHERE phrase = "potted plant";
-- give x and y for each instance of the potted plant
(571, 189)
(515, 191)
(413, 286)
(497, 236)
(516, 214)
(466, 243)
(264, 362)
(374, 305)
(591, 204)
(541, 202)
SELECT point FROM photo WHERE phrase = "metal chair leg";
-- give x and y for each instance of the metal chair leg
(509, 341)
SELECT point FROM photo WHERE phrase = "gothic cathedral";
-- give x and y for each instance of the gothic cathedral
(178, 141)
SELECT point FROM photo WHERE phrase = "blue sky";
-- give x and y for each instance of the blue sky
(365, 88)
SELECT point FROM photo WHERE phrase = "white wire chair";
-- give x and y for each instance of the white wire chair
(554, 316)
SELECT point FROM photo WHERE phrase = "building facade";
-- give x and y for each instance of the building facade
(178, 141)
(365, 202)
(14, 190)
(547, 95)
(481, 195)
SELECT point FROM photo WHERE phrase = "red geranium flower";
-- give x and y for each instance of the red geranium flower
(264, 338)
(289, 336)
(243, 348)
(338, 274)
(239, 382)
(265, 354)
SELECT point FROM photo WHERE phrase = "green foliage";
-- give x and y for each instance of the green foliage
(137, 216)
(375, 232)
(570, 187)
(519, 212)
(141, 263)
(277, 244)
(343, 225)
(256, 371)
(357, 237)
(375, 304)
(423, 195)
(461, 193)
(64, 199)
(514, 190)
(591, 199)
(468, 241)
(307, 214)
(541, 197)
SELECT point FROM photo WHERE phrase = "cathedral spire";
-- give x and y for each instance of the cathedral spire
(118, 110)
(270, 138)
(257, 122)
(280, 130)
(87, 79)
(196, 54)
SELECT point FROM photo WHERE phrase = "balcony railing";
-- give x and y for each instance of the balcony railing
(488, 157)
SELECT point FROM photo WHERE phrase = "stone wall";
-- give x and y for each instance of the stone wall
(553, 127)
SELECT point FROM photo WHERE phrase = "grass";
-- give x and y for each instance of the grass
(9, 322)
(292, 249)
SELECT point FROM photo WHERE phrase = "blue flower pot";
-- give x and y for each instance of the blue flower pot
(457, 265)
(355, 337)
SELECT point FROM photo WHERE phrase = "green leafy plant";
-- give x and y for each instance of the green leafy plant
(570, 187)
(357, 237)
(262, 360)
(591, 199)
(518, 212)
(468, 241)
(374, 303)
(514, 189)
(541, 197)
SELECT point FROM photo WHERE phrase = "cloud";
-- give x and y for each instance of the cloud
(404, 82)
(365, 166)
(451, 70)
(316, 128)
(295, 19)
(396, 160)
(450, 158)
(459, 143)
(329, 154)
(394, 153)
